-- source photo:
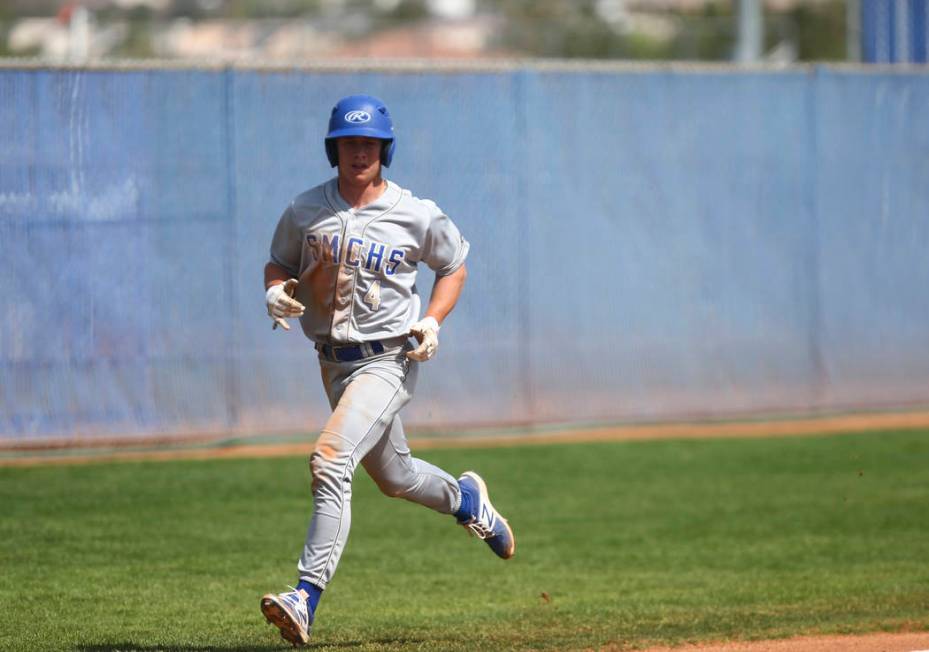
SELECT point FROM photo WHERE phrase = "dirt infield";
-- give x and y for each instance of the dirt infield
(832, 424)
(881, 642)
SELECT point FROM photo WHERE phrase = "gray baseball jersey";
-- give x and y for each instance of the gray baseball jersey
(357, 267)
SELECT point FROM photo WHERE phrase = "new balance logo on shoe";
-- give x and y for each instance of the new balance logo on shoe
(487, 516)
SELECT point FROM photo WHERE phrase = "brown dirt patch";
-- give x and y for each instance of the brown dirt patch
(881, 642)
(833, 424)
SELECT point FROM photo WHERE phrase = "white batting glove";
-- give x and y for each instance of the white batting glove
(426, 332)
(281, 303)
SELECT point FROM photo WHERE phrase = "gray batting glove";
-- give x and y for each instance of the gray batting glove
(426, 332)
(281, 304)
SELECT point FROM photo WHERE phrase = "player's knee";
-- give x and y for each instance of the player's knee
(326, 472)
(393, 490)
(396, 488)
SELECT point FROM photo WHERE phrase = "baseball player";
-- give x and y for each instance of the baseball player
(344, 258)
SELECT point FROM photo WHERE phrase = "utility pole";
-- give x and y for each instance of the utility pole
(79, 35)
(751, 31)
(853, 30)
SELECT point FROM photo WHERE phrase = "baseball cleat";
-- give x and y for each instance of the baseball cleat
(290, 614)
(485, 522)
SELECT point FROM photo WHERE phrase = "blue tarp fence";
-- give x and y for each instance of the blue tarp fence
(647, 243)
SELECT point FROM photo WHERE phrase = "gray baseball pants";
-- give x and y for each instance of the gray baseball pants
(365, 396)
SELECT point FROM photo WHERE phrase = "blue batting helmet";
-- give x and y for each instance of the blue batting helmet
(360, 115)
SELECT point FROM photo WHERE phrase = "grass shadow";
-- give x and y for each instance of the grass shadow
(342, 645)
(347, 645)
(131, 647)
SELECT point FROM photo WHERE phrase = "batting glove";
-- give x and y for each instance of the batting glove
(426, 332)
(281, 303)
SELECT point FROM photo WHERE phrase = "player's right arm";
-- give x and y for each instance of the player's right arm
(279, 292)
(275, 274)
(280, 272)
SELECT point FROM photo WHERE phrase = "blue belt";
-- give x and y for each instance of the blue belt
(351, 352)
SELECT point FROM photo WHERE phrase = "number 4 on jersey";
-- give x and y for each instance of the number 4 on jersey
(373, 297)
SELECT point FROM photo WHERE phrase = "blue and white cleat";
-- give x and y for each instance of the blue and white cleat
(290, 614)
(485, 522)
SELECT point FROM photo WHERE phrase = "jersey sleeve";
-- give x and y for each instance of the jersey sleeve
(287, 243)
(444, 249)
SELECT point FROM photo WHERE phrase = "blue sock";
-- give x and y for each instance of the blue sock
(464, 512)
(314, 593)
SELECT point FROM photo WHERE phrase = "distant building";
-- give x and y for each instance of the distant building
(432, 39)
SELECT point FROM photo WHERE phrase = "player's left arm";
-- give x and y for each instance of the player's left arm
(445, 293)
(444, 250)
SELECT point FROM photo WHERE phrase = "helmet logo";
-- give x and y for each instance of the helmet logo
(357, 117)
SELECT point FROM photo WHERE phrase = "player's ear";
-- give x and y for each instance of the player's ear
(387, 152)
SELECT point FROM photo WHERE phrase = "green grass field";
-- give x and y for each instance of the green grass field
(622, 544)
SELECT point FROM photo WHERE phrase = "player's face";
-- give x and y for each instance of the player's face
(359, 159)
